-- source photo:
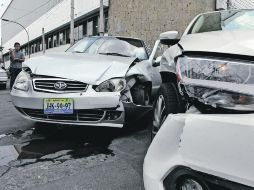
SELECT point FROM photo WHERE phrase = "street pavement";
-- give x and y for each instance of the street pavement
(38, 156)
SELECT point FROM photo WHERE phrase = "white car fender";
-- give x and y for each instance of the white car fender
(163, 152)
(219, 145)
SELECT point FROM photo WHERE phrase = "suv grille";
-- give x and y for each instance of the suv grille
(77, 116)
(48, 85)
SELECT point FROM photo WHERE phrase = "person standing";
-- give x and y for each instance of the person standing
(16, 59)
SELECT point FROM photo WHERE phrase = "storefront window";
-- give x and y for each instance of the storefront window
(61, 40)
(85, 29)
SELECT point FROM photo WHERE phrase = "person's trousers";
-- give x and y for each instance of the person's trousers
(14, 72)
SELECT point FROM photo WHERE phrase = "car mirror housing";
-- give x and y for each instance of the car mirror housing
(169, 38)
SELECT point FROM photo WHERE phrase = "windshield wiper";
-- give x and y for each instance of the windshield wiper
(114, 54)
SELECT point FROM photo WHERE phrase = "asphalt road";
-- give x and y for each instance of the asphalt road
(35, 156)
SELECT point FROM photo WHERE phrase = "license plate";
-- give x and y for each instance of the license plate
(58, 106)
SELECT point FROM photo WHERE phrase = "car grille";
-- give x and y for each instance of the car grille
(48, 85)
(77, 116)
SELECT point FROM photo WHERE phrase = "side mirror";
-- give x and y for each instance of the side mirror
(169, 38)
(157, 62)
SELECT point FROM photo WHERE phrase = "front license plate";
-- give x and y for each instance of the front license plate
(58, 106)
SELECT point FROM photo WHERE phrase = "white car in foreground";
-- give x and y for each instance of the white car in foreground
(99, 81)
(3, 79)
(202, 152)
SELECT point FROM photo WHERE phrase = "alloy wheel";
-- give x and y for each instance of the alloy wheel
(160, 115)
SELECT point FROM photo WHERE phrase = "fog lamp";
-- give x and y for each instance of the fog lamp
(190, 184)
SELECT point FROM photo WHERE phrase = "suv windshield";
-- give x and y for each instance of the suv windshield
(224, 20)
(126, 47)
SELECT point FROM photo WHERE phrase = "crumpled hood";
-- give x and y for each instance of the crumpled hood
(91, 69)
(229, 42)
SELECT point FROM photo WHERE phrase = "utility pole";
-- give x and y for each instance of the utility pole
(72, 23)
(101, 27)
(43, 41)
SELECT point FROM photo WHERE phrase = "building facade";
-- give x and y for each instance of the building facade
(146, 19)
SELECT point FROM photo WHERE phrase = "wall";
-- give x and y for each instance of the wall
(146, 19)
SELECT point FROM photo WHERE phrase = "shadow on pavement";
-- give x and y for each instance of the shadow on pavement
(46, 141)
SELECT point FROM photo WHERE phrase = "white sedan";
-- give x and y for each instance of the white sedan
(202, 152)
(3, 79)
(99, 81)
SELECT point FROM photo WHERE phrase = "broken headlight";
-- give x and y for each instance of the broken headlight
(112, 85)
(219, 83)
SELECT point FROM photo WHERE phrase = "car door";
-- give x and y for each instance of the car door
(154, 70)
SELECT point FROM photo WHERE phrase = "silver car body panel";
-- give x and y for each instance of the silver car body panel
(168, 59)
(97, 68)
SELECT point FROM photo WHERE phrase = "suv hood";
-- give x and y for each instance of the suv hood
(228, 42)
(91, 69)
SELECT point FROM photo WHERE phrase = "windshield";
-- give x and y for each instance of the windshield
(126, 47)
(82, 45)
(223, 21)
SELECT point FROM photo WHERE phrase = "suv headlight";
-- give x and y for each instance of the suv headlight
(217, 82)
(22, 81)
(112, 85)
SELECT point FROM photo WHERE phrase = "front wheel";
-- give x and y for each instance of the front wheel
(2, 86)
(141, 95)
(168, 101)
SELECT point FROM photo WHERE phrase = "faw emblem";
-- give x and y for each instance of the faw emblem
(60, 85)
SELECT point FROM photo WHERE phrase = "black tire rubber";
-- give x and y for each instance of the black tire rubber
(3, 86)
(173, 101)
(139, 94)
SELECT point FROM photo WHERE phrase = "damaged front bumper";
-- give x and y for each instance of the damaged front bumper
(90, 108)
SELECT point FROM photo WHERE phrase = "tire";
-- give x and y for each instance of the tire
(141, 94)
(168, 101)
(3, 86)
